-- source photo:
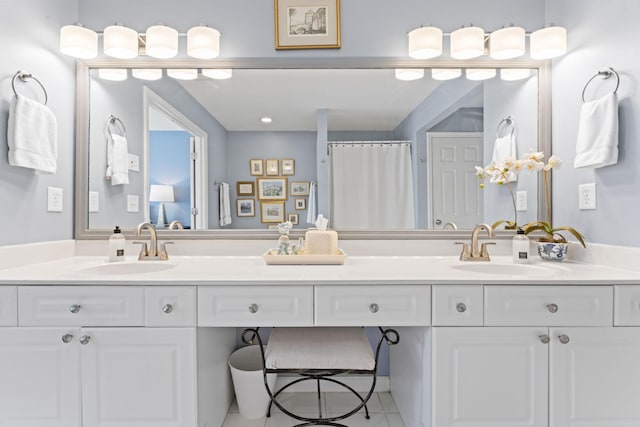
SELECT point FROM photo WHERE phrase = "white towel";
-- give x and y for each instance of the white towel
(117, 160)
(32, 134)
(225, 205)
(312, 210)
(503, 149)
(597, 144)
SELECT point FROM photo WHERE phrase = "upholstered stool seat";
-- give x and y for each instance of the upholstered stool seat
(320, 354)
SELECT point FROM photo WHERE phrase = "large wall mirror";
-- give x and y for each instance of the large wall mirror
(380, 156)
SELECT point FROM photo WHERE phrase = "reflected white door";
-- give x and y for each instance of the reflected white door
(39, 377)
(489, 377)
(454, 189)
(595, 377)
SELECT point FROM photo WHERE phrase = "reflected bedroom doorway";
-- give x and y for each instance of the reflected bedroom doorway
(175, 157)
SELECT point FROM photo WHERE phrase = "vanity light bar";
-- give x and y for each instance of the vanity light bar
(475, 74)
(506, 43)
(118, 41)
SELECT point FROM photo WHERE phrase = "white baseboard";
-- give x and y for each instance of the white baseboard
(360, 383)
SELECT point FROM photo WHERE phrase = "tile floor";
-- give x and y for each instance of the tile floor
(381, 406)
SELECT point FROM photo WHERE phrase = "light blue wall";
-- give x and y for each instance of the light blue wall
(29, 39)
(601, 34)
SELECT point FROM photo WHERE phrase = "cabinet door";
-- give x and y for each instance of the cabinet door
(39, 377)
(136, 377)
(595, 377)
(489, 377)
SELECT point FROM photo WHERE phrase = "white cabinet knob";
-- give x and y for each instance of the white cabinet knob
(564, 339)
(253, 308)
(168, 308)
(374, 308)
(75, 309)
(553, 308)
(545, 339)
(461, 307)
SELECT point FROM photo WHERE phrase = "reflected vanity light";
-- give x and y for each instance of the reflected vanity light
(147, 73)
(182, 73)
(425, 43)
(445, 73)
(549, 42)
(408, 74)
(113, 74)
(467, 43)
(78, 41)
(161, 42)
(477, 74)
(507, 43)
(120, 42)
(203, 42)
(513, 74)
(217, 73)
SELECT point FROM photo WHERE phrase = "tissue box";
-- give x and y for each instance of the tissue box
(321, 242)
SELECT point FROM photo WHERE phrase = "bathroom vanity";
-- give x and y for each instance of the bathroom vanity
(88, 343)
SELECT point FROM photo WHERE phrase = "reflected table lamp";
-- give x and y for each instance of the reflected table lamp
(162, 194)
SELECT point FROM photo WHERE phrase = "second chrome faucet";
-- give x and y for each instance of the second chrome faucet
(473, 252)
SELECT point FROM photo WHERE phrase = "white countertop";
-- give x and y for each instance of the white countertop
(364, 270)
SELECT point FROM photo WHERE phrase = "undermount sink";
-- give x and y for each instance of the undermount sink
(511, 269)
(125, 268)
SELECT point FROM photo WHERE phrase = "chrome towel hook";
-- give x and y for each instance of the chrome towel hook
(25, 77)
(504, 123)
(117, 123)
(604, 74)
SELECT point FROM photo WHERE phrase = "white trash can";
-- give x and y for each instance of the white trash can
(246, 372)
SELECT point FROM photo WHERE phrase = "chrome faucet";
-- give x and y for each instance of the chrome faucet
(176, 224)
(473, 253)
(151, 252)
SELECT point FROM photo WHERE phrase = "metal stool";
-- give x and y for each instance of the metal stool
(319, 354)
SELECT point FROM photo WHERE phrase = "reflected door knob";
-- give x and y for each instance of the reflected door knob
(461, 307)
(67, 338)
(553, 308)
(564, 339)
(75, 309)
(168, 308)
(253, 308)
(438, 221)
(545, 339)
(84, 340)
(374, 308)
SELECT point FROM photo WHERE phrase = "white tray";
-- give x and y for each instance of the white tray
(271, 257)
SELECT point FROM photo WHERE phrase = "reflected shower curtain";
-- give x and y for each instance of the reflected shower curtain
(371, 185)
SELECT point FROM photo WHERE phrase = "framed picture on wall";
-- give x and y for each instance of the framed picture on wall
(256, 167)
(246, 207)
(299, 188)
(272, 188)
(288, 167)
(293, 218)
(301, 204)
(272, 167)
(307, 24)
(272, 211)
(246, 188)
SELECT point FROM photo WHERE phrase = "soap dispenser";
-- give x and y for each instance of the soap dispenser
(520, 247)
(116, 245)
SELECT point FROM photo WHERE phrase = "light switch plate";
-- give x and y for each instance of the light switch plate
(54, 199)
(133, 203)
(587, 196)
(94, 203)
(521, 201)
(134, 163)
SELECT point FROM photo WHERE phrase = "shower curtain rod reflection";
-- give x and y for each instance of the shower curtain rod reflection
(363, 143)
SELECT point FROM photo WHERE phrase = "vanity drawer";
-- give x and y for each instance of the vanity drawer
(457, 305)
(255, 306)
(170, 306)
(548, 305)
(81, 306)
(392, 305)
(627, 306)
(8, 305)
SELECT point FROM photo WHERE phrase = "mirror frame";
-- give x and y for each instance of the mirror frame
(82, 231)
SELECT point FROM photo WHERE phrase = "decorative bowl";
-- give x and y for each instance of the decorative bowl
(552, 251)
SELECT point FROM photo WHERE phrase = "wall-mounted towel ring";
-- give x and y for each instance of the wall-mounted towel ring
(605, 74)
(117, 123)
(505, 123)
(24, 77)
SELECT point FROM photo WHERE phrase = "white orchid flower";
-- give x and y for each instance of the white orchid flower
(554, 163)
(535, 155)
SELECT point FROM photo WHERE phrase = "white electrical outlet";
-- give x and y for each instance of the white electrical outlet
(133, 203)
(134, 163)
(54, 199)
(94, 203)
(587, 196)
(521, 201)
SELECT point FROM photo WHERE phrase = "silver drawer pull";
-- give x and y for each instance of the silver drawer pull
(253, 308)
(75, 308)
(168, 308)
(553, 308)
(545, 339)
(84, 340)
(374, 308)
(461, 307)
(67, 338)
(564, 339)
